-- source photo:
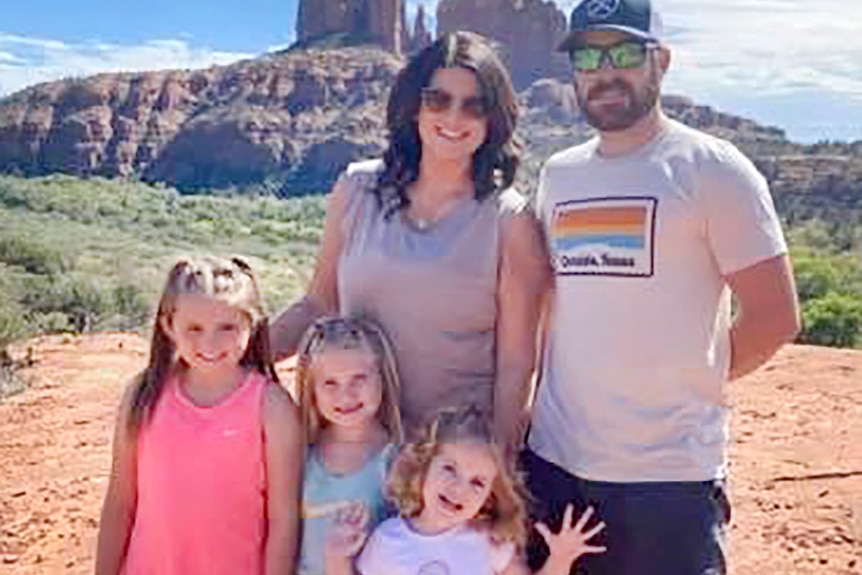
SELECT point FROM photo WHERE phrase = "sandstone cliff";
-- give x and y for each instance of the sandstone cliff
(288, 123)
(339, 23)
(528, 32)
(421, 37)
(297, 117)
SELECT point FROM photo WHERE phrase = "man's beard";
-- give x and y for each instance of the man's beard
(615, 118)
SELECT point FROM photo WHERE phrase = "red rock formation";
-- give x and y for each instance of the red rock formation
(385, 23)
(558, 98)
(332, 23)
(528, 32)
(295, 119)
(318, 18)
(421, 37)
(223, 126)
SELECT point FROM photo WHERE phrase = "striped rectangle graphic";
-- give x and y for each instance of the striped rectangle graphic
(617, 227)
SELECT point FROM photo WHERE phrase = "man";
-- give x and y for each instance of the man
(651, 225)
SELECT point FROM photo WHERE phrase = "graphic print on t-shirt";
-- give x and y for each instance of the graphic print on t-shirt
(434, 568)
(314, 510)
(604, 236)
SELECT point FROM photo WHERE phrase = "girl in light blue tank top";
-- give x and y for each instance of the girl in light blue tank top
(349, 390)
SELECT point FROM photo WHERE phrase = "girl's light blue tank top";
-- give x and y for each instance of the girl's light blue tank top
(324, 493)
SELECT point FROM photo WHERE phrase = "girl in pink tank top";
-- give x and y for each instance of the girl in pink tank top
(208, 446)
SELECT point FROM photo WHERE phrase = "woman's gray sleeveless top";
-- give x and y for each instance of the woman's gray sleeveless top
(434, 291)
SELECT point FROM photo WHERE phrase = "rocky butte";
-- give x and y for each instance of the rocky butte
(297, 116)
(339, 23)
(527, 31)
(288, 122)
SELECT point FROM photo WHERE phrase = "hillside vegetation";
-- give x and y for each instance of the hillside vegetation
(86, 255)
(83, 255)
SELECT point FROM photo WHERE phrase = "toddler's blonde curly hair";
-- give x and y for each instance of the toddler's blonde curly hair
(503, 514)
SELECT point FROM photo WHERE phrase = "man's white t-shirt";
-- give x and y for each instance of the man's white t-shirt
(632, 387)
(396, 549)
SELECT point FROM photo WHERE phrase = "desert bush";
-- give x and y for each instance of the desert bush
(103, 246)
(130, 306)
(78, 298)
(819, 274)
(51, 322)
(833, 320)
(34, 257)
(12, 327)
(13, 324)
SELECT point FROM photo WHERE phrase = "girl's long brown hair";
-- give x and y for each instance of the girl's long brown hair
(504, 513)
(230, 280)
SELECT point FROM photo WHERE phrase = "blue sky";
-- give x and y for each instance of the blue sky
(223, 25)
(796, 64)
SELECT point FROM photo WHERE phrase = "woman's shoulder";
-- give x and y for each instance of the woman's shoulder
(356, 178)
(364, 171)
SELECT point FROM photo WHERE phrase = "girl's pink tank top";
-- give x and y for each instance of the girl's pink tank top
(201, 486)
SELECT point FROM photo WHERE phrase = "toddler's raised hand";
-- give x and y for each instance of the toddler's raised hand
(572, 541)
(347, 531)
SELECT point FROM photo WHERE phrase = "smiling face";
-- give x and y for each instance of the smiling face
(453, 132)
(457, 484)
(616, 99)
(347, 387)
(209, 334)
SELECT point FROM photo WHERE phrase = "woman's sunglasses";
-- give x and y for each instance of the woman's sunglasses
(624, 56)
(437, 100)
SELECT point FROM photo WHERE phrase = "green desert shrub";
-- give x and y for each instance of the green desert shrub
(34, 257)
(833, 320)
(78, 298)
(51, 322)
(131, 306)
(819, 274)
(13, 324)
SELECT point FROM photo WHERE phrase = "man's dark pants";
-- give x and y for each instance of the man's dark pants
(655, 528)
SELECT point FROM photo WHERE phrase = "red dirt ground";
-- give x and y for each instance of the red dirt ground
(796, 458)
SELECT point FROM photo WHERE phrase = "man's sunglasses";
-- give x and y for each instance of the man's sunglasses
(625, 55)
(437, 100)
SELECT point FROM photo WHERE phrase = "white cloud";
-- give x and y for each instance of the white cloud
(9, 58)
(768, 46)
(773, 59)
(12, 39)
(278, 47)
(768, 58)
(29, 60)
(793, 63)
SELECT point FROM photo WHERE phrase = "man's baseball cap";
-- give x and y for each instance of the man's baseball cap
(635, 17)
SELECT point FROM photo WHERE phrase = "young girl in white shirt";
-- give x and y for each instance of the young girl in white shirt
(462, 512)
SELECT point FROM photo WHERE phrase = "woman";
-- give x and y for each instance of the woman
(434, 244)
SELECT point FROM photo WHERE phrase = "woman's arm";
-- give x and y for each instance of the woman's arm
(322, 296)
(118, 509)
(284, 459)
(524, 279)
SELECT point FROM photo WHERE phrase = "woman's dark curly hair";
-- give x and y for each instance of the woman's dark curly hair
(494, 162)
